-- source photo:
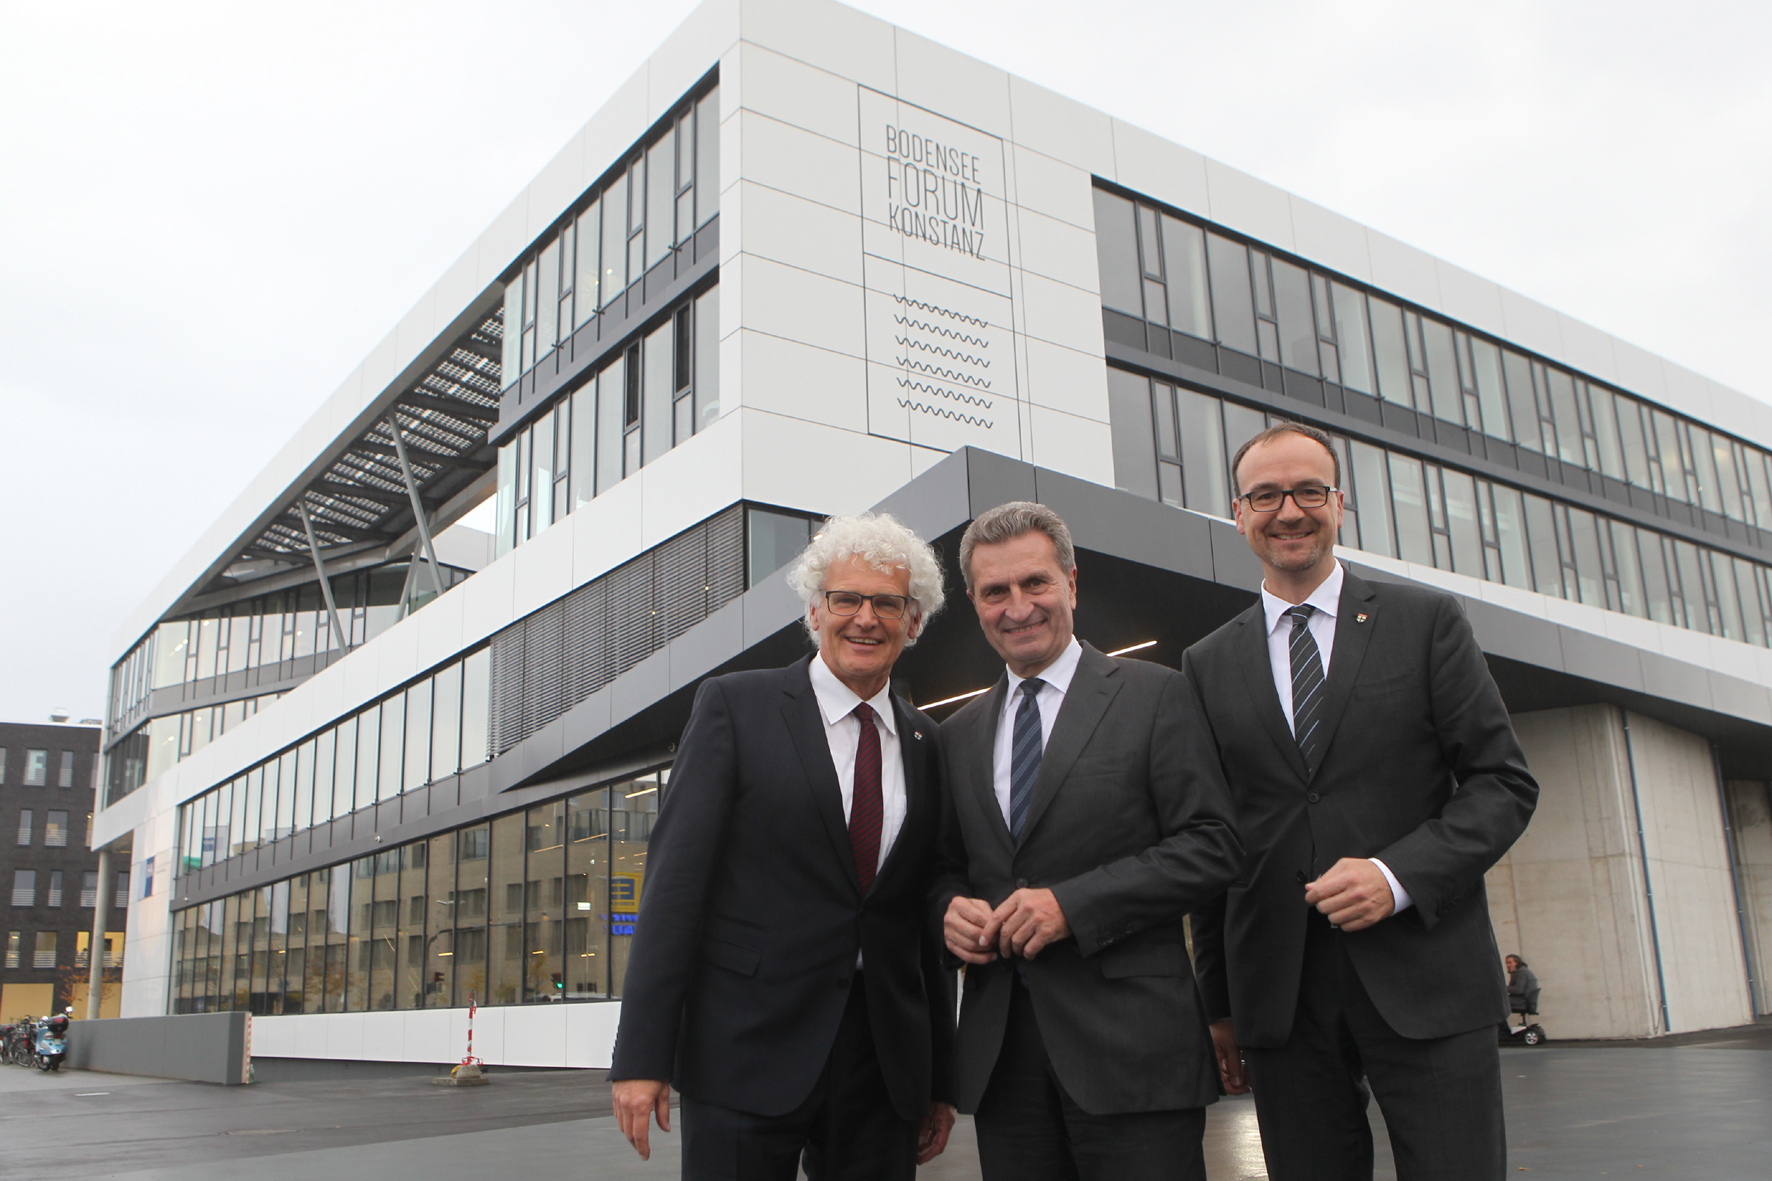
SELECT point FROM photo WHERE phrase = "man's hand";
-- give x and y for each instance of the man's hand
(1353, 895)
(1026, 922)
(963, 928)
(1230, 1059)
(636, 1101)
(932, 1137)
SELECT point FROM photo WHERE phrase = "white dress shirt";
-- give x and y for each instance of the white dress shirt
(842, 730)
(1327, 601)
(1050, 698)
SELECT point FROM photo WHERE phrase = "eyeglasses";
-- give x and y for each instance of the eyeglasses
(849, 603)
(1269, 500)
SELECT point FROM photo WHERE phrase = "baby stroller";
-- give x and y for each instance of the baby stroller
(1522, 998)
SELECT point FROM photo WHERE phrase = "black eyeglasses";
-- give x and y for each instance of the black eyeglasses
(1269, 500)
(849, 603)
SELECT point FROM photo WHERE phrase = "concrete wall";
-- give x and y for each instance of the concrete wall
(201, 1047)
(1750, 820)
(572, 1035)
(1570, 897)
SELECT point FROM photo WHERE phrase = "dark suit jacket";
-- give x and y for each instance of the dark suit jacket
(1421, 771)
(752, 913)
(1130, 827)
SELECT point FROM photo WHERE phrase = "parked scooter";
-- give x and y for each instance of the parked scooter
(49, 1043)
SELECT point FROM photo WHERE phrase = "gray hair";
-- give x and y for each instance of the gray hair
(1006, 522)
(881, 542)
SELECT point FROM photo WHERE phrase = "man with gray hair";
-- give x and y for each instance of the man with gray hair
(782, 974)
(1085, 817)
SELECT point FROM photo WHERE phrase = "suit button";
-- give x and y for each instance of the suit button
(1313, 797)
(1021, 883)
(1301, 877)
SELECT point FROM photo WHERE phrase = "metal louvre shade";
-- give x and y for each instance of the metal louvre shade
(554, 658)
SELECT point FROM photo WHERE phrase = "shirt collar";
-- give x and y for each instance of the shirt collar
(1058, 674)
(1326, 598)
(837, 701)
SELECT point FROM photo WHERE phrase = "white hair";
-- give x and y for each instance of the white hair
(882, 543)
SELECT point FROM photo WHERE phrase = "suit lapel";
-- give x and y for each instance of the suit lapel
(1355, 620)
(806, 728)
(981, 761)
(911, 741)
(1092, 690)
(1258, 678)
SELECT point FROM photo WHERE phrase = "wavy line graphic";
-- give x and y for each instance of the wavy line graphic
(938, 330)
(940, 311)
(944, 412)
(939, 351)
(939, 392)
(938, 371)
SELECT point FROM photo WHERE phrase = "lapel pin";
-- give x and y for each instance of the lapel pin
(1360, 618)
(917, 734)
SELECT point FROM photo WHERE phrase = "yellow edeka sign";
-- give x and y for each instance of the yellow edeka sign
(624, 891)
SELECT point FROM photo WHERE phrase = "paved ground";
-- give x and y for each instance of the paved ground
(1697, 1107)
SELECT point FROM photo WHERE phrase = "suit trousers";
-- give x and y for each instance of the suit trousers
(846, 1130)
(1441, 1097)
(1029, 1129)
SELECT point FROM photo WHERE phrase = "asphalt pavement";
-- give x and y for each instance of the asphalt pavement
(1697, 1107)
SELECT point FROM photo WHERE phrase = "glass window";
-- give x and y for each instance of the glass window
(1754, 460)
(505, 506)
(586, 285)
(248, 807)
(13, 940)
(611, 399)
(1586, 552)
(1562, 400)
(1116, 254)
(439, 964)
(24, 826)
(1129, 424)
(1606, 434)
(1168, 454)
(393, 745)
(1630, 571)
(43, 950)
(631, 827)
(1673, 466)
(36, 768)
(1184, 249)
(587, 895)
(1351, 337)
(584, 444)
(65, 775)
(1156, 307)
(707, 359)
(360, 941)
(661, 197)
(685, 176)
(1541, 540)
(413, 907)
(446, 722)
(1631, 444)
(1414, 543)
(1461, 523)
(344, 769)
(24, 887)
(476, 707)
(707, 156)
(1510, 537)
(384, 932)
(1292, 305)
(541, 483)
(1491, 389)
(544, 930)
(55, 889)
(546, 298)
(1752, 613)
(55, 830)
(1442, 371)
(324, 771)
(772, 541)
(615, 238)
(473, 847)
(1390, 357)
(655, 428)
(1371, 495)
(1704, 466)
(505, 920)
(368, 756)
(1205, 476)
(1233, 305)
(1722, 571)
(1728, 482)
(1685, 560)
(418, 737)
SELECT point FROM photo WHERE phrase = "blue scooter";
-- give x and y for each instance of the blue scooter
(49, 1041)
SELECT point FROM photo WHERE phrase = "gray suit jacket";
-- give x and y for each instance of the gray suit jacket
(1130, 827)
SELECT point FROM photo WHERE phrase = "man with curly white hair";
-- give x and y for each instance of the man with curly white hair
(782, 976)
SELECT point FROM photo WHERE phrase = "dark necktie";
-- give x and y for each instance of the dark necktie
(865, 805)
(1025, 748)
(1307, 687)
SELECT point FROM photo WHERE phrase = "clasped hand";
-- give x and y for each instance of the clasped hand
(1023, 925)
(1353, 895)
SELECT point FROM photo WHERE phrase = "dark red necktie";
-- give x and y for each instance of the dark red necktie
(865, 806)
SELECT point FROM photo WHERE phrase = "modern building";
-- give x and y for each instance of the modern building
(390, 738)
(48, 777)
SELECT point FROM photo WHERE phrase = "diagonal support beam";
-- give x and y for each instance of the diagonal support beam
(341, 636)
(418, 504)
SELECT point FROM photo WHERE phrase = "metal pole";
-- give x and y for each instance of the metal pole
(1747, 950)
(418, 508)
(95, 950)
(339, 636)
(1648, 891)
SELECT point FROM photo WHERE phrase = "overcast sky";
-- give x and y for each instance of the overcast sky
(210, 212)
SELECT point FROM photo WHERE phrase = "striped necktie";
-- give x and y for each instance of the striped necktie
(1307, 688)
(1026, 747)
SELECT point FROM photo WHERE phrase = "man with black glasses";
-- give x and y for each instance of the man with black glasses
(782, 975)
(1376, 777)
